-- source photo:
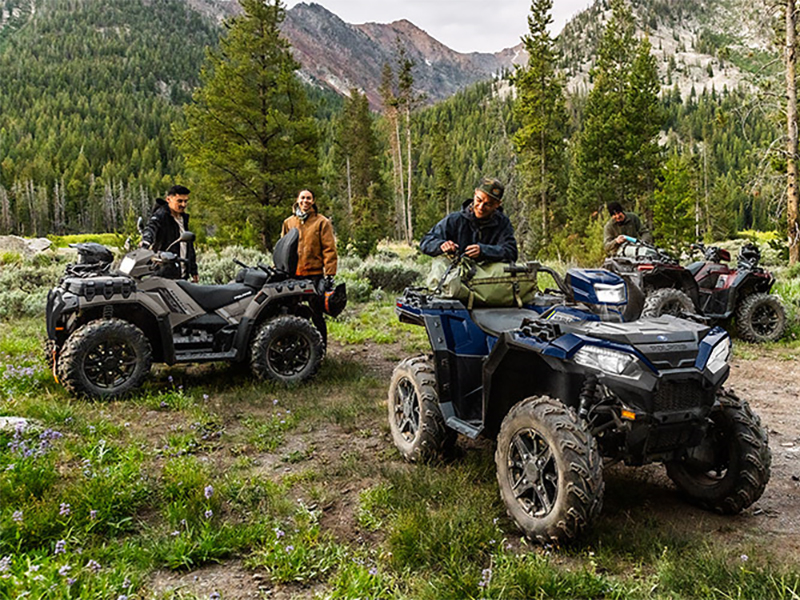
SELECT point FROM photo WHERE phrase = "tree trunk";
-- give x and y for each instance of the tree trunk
(349, 193)
(791, 124)
(409, 215)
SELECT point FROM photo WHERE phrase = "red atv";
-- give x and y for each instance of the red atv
(709, 287)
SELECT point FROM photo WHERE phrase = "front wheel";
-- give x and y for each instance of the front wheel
(667, 301)
(549, 470)
(729, 470)
(415, 420)
(288, 349)
(104, 359)
(761, 318)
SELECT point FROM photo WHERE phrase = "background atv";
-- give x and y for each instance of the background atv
(559, 398)
(106, 327)
(709, 287)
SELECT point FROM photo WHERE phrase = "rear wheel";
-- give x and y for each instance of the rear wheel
(104, 359)
(415, 420)
(287, 349)
(761, 318)
(667, 301)
(729, 470)
(549, 470)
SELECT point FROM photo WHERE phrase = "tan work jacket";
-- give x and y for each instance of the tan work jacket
(316, 248)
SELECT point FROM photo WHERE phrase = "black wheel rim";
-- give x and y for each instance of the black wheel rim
(764, 320)
(109, 365)
(406, 410)
(289, 354)
(532, 472)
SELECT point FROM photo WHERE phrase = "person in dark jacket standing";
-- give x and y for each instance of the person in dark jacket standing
(480, 229)
(165, 225)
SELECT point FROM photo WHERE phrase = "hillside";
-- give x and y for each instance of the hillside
(343, 56)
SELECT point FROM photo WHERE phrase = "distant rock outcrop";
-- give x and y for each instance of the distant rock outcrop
(343, 56)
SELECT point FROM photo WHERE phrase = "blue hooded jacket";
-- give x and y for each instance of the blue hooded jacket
(494, 235)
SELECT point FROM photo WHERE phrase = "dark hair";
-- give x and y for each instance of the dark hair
(178, 190)
(614, 208)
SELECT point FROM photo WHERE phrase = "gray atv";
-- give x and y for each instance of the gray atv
(106, 327)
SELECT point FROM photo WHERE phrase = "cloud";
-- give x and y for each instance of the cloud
(463, 25)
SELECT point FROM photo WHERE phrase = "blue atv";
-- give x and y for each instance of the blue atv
(564, 385)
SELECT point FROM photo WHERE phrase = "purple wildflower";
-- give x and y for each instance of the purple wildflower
(208, 492)
(205, 396)
(93, 565)
(64, 571)
(214, 596)
(209, 513)
(92, 514)
(289, 548)
(373, 571)
(64, 510)
(61, 546)
(17, 516)
(5, 563)
(279, 532)
(71, 580)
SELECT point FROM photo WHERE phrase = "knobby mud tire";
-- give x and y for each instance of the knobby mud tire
(742, 455)
(667, 301)
(415, 419)
(549, 470)
(761, 318)
(105, 359)
(288, 349)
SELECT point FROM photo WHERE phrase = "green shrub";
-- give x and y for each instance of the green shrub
(217, 267)
(394, 276)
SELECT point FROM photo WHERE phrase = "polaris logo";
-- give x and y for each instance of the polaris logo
(240, 296)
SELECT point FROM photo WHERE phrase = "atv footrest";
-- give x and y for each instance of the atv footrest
(204, 356)
(471, 429)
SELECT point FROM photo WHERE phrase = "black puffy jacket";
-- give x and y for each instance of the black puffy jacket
(494, 235)
(161, 230)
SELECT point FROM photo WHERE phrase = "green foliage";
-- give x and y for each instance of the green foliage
(617, 156)
(89, 93)
(674, 205)
(539, 142)
(392, 276)
(250, 135)
(217, 267)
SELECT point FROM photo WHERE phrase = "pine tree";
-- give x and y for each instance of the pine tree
(674, 204)
(357, 157)
(617, 156)
(540, 140)
(250, 135)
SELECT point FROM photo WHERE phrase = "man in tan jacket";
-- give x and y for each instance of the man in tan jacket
(316, 248)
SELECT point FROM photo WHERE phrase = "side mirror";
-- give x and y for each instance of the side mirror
(186, 236)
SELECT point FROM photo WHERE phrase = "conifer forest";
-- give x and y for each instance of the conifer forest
(104, 105)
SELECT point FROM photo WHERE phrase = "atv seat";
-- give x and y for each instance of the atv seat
(212, 297)
(495, 321)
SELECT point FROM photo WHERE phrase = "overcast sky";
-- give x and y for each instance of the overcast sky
(463, 25)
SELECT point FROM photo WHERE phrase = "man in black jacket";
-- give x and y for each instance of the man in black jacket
(167, 221)
(480, 229)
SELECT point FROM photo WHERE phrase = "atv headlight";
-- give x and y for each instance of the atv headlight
(609, 361)
(610, 294)
(720, 355)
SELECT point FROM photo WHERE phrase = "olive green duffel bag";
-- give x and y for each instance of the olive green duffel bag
(482, 283)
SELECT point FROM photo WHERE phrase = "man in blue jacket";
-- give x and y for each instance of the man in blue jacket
(480, 229)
